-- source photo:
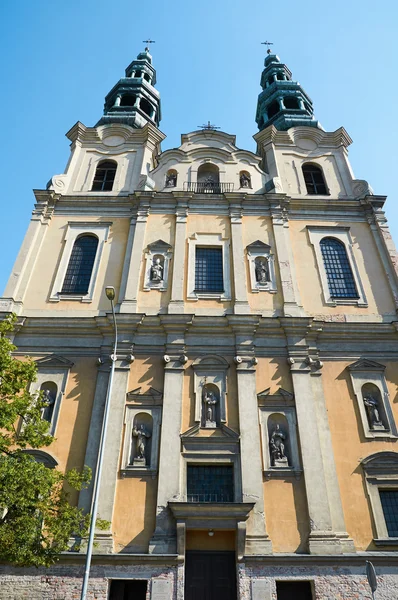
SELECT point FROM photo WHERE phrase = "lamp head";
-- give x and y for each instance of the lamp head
(110, 292)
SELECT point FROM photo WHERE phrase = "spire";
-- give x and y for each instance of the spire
(134, 100)
(283, 102)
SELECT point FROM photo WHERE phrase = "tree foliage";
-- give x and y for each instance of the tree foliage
(36, 517)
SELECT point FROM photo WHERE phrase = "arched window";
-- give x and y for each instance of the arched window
(314, 180)
(291, 102)
(338, 269)
(209, 179)
(146, 107)
(128, 100)
(273, 109)
(104, 176)
(78, 274)
(49, 397)
(280, 76)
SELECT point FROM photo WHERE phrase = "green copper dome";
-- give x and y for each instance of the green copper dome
(283, 102)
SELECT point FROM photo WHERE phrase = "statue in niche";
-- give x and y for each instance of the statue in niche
(171, 179)
(156, 275)
(209, 407)
(142, 436)
(372, 411)
(244, 180)
(48, 410)
(262, 271)
(277, 448)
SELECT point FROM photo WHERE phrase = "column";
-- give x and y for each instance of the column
(132, 266)
(291, 298)
(322, 538)
(164, 539)
(176, 304)
(241, 304)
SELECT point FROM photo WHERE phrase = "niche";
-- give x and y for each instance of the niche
(245, 179)
(373, 403)
(141, 440)
(171, 178)
(279, 443)
(210, 406)
(50, 392)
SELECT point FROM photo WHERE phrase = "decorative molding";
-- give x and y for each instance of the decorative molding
(210, 370)
(151, 397)
(255, 252)
(135, 467)
(210, 240)
(162, 251)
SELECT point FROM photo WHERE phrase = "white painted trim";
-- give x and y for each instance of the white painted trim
(153, 251)
(131, 411)
(265, 253)
(210, 240)
(75, 229)
(316, 233)
(377, 378)
(59, 376)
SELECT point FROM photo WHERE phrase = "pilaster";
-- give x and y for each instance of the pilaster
(164, 539)
(257, 540)
(291, 298)
(321, 494)
(241, 304)
(132, 272)
(176, 305)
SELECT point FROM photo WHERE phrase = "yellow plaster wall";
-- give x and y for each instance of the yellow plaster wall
(135, 512)
(286, 514)
(74, 417)
(109, 273)
(253, 229)
(158, 227)
(350, 445)
(273, 373)
(146, 372)
(370, 268)
(201, 540)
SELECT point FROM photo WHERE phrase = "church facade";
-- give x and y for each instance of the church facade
(251, 450)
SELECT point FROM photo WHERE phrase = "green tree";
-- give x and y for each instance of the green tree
(36, 517)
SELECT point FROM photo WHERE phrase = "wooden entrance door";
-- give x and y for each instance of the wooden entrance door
(210, 576)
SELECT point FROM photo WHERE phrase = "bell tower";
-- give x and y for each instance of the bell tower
(283, 102)
(134, 100)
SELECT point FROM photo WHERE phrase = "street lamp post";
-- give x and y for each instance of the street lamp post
(110, 294)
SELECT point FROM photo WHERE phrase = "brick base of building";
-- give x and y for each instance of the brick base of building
(344, 580)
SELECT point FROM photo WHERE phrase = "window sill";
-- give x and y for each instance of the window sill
(208, 296)
(72, 297)
(282, 472)
(393, 541)
(346, 302)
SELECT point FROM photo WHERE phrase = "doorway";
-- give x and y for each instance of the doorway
(125, 589)
(210, 575)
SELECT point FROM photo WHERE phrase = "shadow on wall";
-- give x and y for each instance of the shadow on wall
(140, 542)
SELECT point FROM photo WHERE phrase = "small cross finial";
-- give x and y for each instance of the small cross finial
(148, 42)
(208, 127)
(268, 44)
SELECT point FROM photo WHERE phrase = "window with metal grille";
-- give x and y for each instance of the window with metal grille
(314, 180)
(338, 269)
(104, 176)
(389, 503)
(78, 274)
(208, 270)
(207, 483)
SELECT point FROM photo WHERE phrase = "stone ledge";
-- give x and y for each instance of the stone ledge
(359, 558)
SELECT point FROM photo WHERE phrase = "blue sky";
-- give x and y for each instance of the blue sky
(61, 57)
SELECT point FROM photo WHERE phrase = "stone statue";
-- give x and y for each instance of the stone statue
(47, 412)
(372, 411)
(262, 271)
(210, 401)
(244, 180)
(277, 447)
(156, 274)
(171, 180)
(142, 436)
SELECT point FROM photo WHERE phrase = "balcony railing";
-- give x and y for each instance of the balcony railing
(211, 497)
(204, 187)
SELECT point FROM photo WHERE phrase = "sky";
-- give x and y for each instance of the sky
(61, 57)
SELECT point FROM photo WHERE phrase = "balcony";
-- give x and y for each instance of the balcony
(204, 187)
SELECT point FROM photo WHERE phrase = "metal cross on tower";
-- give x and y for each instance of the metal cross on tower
(148, 42)
(208, 127)
(268, 44)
